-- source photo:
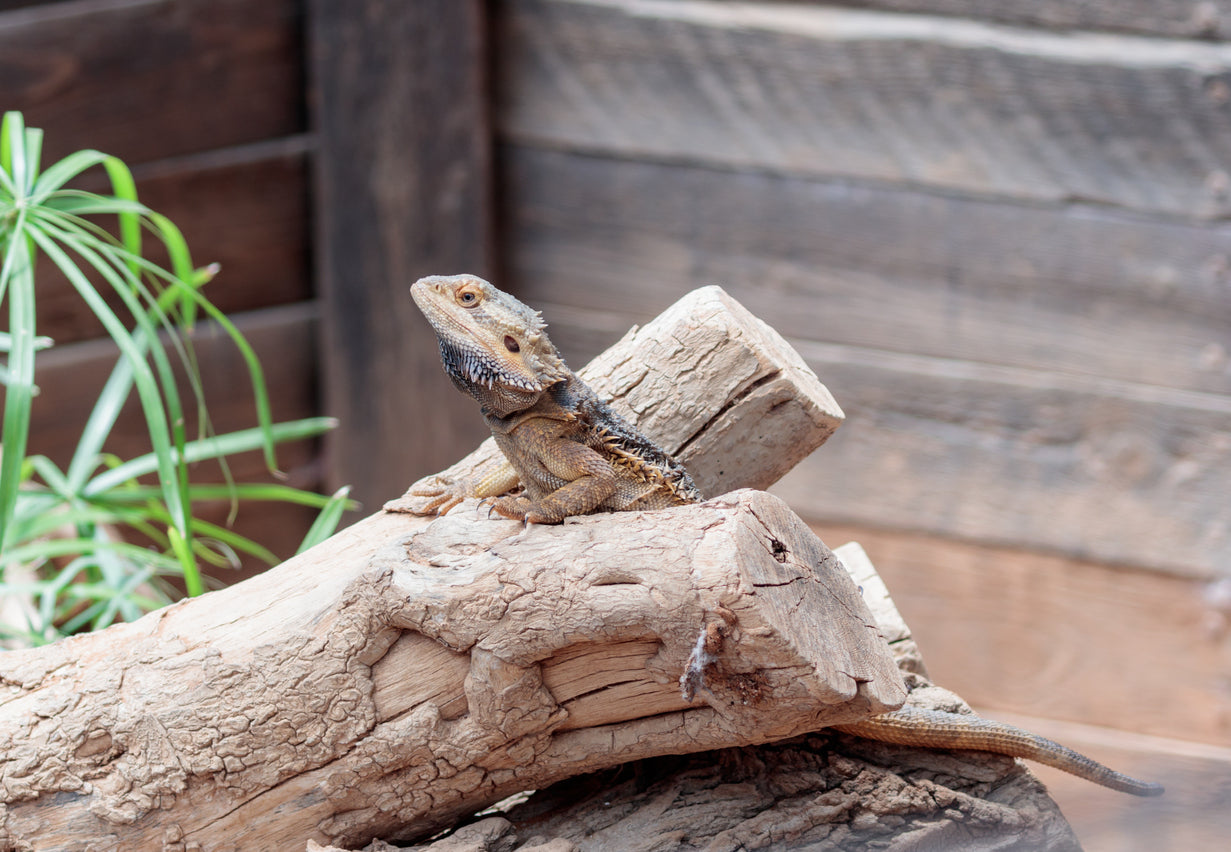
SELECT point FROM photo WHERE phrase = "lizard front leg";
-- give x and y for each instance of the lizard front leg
(446, 492)
(589, 480)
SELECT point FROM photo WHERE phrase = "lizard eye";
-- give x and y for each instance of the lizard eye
(467, 298)
(511, 344)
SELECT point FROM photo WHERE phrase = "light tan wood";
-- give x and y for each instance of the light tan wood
(398, 675)
(1049, 636)
(255, 717)
(850, 792)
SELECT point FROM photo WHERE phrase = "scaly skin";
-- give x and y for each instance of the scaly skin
(913, 726)
(573, 455)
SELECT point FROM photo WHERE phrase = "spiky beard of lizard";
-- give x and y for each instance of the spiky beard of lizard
(477, 373)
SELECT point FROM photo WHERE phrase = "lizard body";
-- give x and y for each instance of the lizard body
(569, 450)
(573, 455)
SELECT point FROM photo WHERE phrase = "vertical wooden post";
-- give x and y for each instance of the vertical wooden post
(403, 187)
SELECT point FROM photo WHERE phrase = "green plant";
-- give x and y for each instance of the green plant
(102, 539)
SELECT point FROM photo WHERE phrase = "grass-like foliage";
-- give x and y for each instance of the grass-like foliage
(103, 539)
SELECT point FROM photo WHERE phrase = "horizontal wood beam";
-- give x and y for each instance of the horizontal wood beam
(1183, 18)
(1073, 289)
(956, 106)
(147, 80)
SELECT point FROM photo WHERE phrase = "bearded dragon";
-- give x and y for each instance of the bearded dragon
(573, 455)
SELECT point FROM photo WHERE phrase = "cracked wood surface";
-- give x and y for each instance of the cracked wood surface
(275, 711)
(820, 791)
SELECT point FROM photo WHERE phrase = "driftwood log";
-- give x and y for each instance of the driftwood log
(820, 791)
(410, 671)
(285, 708)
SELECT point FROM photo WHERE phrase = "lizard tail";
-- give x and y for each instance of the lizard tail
(935, 729)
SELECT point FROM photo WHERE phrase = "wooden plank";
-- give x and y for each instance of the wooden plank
(1053, 637)
(1184, 18)
(953, 105)
(70, 378)
(1076, 289)
(1099, 470)
(402, 189)
(145, 79)
(246, 209)
(1127, 474)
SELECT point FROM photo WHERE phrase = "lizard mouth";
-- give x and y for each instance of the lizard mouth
(475, 365)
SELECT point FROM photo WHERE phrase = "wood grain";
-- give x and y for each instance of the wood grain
(145, 80)
(1054, 637)
(952, 105)
(1074, 288)
(1186, 18)
(402, 186)
(245, 209)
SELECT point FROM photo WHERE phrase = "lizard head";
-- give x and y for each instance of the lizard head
(493, 347)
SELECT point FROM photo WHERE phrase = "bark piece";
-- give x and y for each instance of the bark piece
(471, 659)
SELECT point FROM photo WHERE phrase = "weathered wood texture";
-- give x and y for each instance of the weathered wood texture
(1189, 18)
(403, 181)
(808, 90)
(147, 80)
(340, 698)
(815, 792)
(1074, 289)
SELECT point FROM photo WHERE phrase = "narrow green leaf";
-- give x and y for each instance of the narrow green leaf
(327, 521)
(19, 390)
(188, 563)
(147, 388)
(208, 448)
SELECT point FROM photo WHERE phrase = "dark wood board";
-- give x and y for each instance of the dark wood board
(1118, 120)
(1069, 288)
(403, 185)
(284, 338)
(247, 213)
(1182, 18)
(147, 80)
(1096, 470)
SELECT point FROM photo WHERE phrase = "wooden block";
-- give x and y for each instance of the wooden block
(811, 90)
(789, 644)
